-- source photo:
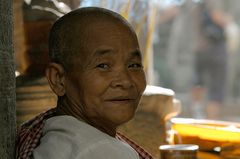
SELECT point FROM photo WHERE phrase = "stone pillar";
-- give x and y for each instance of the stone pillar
(7, 83)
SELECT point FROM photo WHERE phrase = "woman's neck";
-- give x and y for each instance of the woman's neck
(66, 107)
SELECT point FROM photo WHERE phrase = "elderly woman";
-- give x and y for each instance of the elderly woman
(96, 72)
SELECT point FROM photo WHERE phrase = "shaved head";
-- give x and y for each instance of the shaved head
(69, 34)
(96, 68)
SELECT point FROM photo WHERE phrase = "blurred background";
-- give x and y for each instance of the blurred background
(189, 46)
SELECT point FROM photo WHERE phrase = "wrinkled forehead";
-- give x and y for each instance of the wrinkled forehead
(82, 32)
(104, 32)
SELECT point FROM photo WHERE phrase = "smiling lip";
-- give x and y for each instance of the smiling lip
(121, 100)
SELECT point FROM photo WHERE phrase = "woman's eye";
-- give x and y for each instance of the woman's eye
(135, 65)
(103, 66)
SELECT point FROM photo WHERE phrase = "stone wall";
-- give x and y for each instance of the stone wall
(7, 83)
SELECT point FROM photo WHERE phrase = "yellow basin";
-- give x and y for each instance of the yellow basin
(208, 134)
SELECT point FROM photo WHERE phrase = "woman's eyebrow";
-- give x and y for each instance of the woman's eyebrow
(107, 51)
(98, 54)
(102, 52)
(136, 54)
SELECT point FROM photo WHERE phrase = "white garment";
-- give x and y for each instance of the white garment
(65, 137)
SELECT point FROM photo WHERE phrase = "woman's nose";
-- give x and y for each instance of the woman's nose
(122, 79)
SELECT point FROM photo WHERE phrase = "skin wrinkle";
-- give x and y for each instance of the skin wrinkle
(85, 28)
(104, 97)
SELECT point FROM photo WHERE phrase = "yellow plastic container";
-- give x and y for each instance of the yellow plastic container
(208, 134)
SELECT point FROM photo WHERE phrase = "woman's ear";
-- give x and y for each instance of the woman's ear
(56, 78)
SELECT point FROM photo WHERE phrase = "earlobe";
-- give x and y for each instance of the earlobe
(56, 78)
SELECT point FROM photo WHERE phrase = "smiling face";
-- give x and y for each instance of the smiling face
(107, 80)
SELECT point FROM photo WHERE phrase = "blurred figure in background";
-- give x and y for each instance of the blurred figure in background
(210, 62)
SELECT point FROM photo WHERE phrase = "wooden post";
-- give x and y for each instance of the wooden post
(7, 83)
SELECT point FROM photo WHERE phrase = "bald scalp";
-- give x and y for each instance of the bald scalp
(68, 34)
